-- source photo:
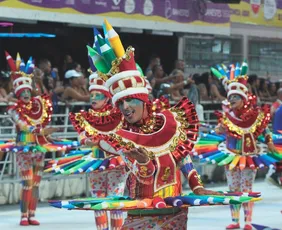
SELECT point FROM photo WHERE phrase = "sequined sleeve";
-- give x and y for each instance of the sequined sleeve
(268, 135)
(22, 125)
(190, 173)
(82, 138)
(145, 173)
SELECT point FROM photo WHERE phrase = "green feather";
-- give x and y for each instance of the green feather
(216, 73)
(244, 68)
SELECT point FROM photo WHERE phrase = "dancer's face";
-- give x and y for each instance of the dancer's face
(98, 99)
(132, 109)
(25, 96)
(236, 101)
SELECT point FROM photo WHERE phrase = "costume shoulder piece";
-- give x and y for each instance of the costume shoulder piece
(160, 104)
(37, 112)
(94, 123)
(176, 135)
(254, 121)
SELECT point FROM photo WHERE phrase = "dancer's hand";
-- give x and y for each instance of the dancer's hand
(202, 191)
(271, 147)
(219, 129)
(140, 155)
(48, 131)
(89, 142)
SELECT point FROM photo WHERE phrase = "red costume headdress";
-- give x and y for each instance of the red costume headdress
(233, 79)
(21, 73)
(98, 84)
(117, 66)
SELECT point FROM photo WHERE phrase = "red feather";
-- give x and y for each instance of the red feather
(10, 61)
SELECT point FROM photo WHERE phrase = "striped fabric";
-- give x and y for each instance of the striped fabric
(25, 137)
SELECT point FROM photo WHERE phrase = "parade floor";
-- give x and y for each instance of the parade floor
(266, 212)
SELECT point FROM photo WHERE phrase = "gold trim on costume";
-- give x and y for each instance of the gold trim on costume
(241, 131)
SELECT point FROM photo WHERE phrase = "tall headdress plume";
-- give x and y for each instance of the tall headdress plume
(117, 67)
(21, 73)
(234, 79)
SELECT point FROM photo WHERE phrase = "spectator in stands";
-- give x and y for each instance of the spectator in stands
(83, 85)
(253, 85)
(154, 60)
(73, 91)
(204, 96)
(6, 88)
(73, 65)
(49, 77)
(193, 92)
(45, 66)
(179, 65)
(68, 61)
(273, 90)
(177, 85)
(280, 84)
(158, 79)
(263, 90)
(277, 103)
(194, 95)
(37, 83)
(214, 87)
(77, 67)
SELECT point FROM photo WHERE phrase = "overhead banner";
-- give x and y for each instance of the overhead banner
(257, 12)
(171, 12)
(182, 11)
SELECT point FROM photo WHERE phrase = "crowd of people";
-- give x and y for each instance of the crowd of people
(66, 84)
(69, 83)
(208, 88)
(152, 141)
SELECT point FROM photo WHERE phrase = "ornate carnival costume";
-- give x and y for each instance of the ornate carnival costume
(154, 146)
(167, 137)
(242, 122)
(31, 115)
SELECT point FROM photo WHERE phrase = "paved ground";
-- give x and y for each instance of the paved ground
(267, 212)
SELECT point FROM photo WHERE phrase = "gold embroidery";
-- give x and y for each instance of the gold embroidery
(89, 128)
(23, 74)
(143, 170)
(167, 173)
(174, 143)
(234, 128)
(99, 114)
(184, 124)
(45, 104)
(248, 142)
(149, 127)
(29, 105)
(199, 179)
(245, 77)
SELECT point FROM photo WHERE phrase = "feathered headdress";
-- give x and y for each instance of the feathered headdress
(21, 73)
(233, 79)
(117, 66)
(98, 84)
(95, 81)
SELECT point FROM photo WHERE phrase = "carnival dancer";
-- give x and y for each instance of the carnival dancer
(275, 175)
(155, 146)
(31, 115)
(102, 116)
(242, 122)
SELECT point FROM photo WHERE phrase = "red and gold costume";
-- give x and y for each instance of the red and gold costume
(167, 137)
(240, 153)
(163, 136)
(31, 144)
